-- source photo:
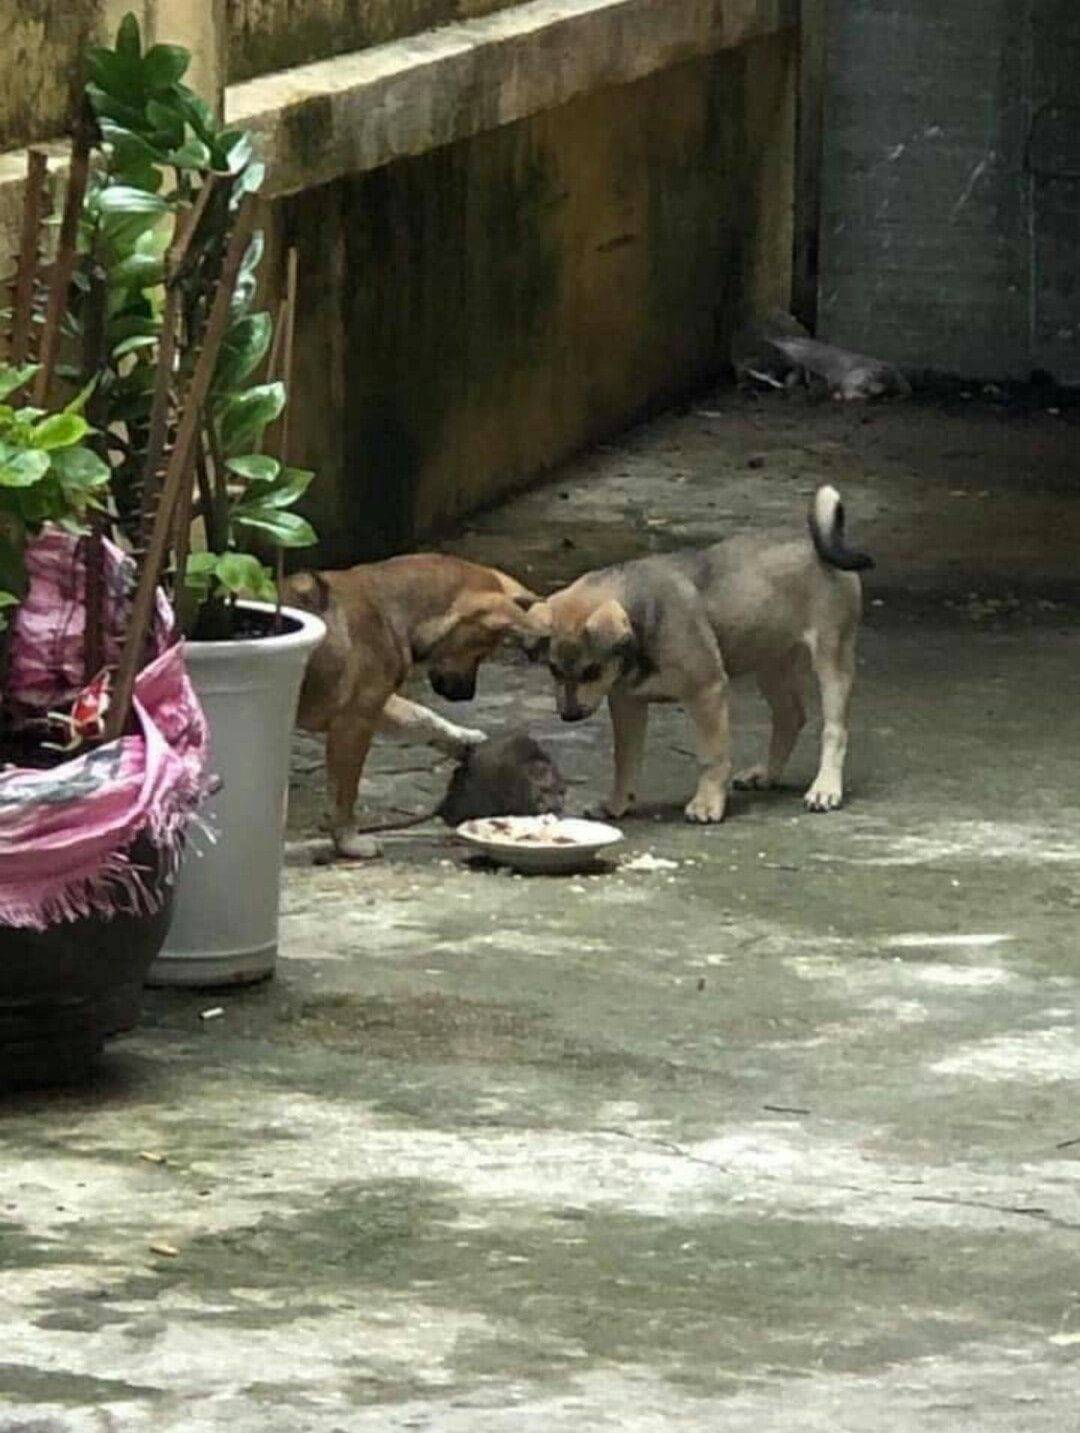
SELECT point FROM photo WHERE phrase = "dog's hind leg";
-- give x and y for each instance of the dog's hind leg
(834, 665)
(409, 721)
(783, 687)
(347, 741)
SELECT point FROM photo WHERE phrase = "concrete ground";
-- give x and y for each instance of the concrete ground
(781, 1136)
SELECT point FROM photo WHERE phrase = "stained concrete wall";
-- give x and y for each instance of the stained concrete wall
(267, 35)
(517, 234)
(41, 45)
(478, 313)
(951, 184)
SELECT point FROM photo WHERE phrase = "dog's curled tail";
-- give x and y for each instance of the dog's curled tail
(827, 531)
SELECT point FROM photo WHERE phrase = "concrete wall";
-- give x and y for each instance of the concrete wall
(267, 35)
(41, 44)
(950, 232)
(478, 313)
(518, 233)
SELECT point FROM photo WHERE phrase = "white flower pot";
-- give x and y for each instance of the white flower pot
(225, 922)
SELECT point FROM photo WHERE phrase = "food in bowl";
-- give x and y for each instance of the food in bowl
(539, 843)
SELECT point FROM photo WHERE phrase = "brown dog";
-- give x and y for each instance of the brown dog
(382, 619)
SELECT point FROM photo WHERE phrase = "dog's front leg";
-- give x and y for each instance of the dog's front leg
(708, 710)
(629, 720)
(409, 721)
(348, 739)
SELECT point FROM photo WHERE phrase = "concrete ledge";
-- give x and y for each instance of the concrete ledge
(349, 115)
(323, 121)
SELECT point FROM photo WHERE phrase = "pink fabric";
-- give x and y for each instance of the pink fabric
(65, 833)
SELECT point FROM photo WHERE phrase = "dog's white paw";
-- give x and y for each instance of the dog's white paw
(610, 809)
(353, 845)
(824, 796)
(457, 740)
(706, 808)
(756, 778)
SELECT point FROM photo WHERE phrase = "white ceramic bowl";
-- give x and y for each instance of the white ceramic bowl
(541, 845)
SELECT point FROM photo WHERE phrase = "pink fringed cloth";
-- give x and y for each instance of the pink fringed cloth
(66, 833)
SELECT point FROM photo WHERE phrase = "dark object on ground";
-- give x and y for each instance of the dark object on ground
(776, 351)
(848, 375)
(754, 356)
(509, 775)
(66, 990)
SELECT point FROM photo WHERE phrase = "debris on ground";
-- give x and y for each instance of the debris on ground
(646, 862)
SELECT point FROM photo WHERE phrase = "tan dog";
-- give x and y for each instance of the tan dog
(382, 619)
(675, 628)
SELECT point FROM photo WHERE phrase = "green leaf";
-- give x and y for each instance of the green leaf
(22, 468)
(163, 66)
(80, 469)
(8, 599)
(243, 349)
(127, 146)
(284, 494)
(118, 75)
(241, 573)
(79, 402)
(239, 152)
(60, 430)
(128, 41)
(288, 529)
(126, 199)
(130, 325)
(168, 121)
(139, 271)
(12, 379)
(250, 180)
(256, 467)
(198, 114)
(194, 154)
(133, 344)
(245, 416)
(107, 106)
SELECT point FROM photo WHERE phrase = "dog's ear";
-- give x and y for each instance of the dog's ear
(535, 636)
(309, 590)
(492, 612)
(526, 600)
(609, 627)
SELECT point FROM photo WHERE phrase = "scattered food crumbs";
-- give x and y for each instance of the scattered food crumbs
(150, 1157)
(214, 1013)
(701, 982)
(647, 862)
(167, 1251)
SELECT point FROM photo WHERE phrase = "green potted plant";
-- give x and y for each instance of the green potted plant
(168, 218)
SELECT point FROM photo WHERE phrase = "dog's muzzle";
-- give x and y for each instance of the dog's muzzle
(453, 688)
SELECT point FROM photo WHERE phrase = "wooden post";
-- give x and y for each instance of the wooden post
(63, 267)
(27, 272)
(176, 473)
